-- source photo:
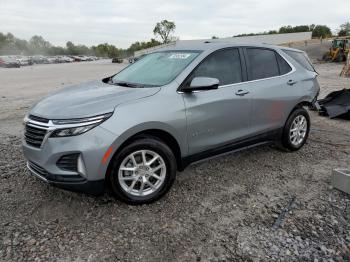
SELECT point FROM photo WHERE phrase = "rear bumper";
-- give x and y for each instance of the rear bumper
(79, 185)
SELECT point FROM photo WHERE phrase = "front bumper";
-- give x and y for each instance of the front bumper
(81, 185)
(91, 147)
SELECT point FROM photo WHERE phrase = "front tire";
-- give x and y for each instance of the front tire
(296, 130)
(143, 171)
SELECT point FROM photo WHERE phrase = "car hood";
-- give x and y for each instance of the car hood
(88, 99)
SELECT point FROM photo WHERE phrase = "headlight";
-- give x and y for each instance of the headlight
(77, 126)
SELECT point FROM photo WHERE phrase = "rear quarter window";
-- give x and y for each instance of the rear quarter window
(283, 65)
(301, 58)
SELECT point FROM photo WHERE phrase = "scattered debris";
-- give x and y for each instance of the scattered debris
(221, 210)
(335, 104)
(282, 215)
(341, 179)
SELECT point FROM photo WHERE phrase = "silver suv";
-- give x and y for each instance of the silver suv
(134, 130)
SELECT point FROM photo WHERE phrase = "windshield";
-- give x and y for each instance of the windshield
(155, 69)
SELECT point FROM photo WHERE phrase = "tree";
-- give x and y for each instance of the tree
(321, 31)
(38, 42)
(286, 29)
(295, 29)
(342, 32)
(164, 29)
(142, 45)
(214, 37)
(70, 48)
(272, 32)
(344, 29)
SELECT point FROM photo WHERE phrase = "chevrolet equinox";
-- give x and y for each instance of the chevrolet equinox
(134, 130)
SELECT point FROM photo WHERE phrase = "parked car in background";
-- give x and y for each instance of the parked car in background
(83, 58)
(75, 58)
(52, 59)
(39, 59)
(136, 58)
(24, 60)
(8, 62)
(178, 105)
(64, 59)
(68, 59)
(118, 60)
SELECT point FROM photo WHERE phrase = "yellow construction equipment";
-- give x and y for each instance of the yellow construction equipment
(338, 51)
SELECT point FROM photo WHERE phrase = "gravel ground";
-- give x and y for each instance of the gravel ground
(223, 209)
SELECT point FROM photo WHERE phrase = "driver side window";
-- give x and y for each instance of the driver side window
(225, 65)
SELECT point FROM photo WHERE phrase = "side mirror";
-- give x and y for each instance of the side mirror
(202, 83)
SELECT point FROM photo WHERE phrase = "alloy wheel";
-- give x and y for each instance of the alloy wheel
(298, 130)
(142, 173)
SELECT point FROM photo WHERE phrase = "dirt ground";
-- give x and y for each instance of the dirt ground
(221, 210)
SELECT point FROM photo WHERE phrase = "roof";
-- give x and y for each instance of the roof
(272, 39)
(211, 46)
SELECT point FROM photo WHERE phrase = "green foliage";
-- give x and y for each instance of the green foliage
(344, 29)
(10, 45)
(164, 29)
(321, 31)
(142, 45)
(342, 33)
(294, 29)
(317, 31)
(285, 30)
(77, 49)
(271, 32)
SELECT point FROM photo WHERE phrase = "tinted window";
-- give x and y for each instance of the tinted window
(262, 63)
(283, 65)
(224, 65)
(301, 58)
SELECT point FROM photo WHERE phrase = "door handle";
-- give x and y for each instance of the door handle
(241, 92)
(291, 82)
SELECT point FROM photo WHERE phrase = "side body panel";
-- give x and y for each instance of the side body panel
(163, 111)
(216, 117)
(274, 98)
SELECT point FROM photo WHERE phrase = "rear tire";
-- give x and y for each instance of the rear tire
(296, 130)
(143, 171)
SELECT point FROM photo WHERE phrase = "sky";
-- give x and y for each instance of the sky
(122, 22)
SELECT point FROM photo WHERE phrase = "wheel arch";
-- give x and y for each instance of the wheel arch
(160, 134)
(302, 104)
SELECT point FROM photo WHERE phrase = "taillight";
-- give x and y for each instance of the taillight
(2, 61)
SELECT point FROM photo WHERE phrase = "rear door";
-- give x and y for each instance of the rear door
(217, 117)
(271, 80)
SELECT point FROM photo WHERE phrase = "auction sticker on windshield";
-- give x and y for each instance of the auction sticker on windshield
(179, 56)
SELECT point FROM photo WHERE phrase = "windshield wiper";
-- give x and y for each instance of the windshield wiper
(127, 84)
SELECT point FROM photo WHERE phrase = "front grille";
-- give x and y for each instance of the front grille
(38, 119)
(55, 178)
(34, 136)
(69, 162)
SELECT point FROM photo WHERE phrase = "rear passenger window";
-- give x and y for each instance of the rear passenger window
(224, 65)
(262, 63)
(301, 58)
(283, 65)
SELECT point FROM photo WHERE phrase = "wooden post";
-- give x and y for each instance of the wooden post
(346, 70)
